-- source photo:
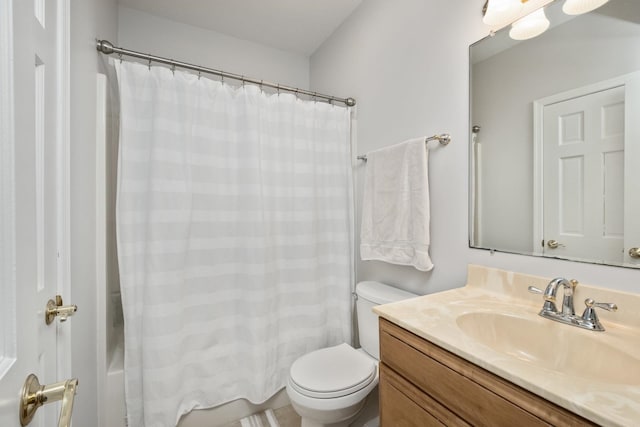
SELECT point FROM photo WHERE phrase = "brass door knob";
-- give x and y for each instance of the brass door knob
(34, 395)
(634, 252)
(554, 244)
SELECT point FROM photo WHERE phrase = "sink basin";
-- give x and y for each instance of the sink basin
(560, 348)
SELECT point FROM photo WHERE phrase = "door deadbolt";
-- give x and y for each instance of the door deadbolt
(55, 308)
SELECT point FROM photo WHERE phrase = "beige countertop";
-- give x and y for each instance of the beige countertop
(594, 374)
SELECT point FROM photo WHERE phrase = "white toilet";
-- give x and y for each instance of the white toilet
(328, 387)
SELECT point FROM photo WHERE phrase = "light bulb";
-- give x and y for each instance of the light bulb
(502, 12)
(530, 26)
(577, 7)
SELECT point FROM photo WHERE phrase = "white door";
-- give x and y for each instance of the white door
(31, 147)
(583, 177)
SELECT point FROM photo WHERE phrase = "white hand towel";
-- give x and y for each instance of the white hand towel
(395, 208)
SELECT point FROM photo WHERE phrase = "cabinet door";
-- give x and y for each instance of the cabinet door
(403, 404)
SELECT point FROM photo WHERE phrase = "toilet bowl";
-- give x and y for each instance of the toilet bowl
(329, 386)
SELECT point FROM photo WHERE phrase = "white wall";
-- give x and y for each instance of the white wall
(89, 19)
(406, 64)
(152, 34)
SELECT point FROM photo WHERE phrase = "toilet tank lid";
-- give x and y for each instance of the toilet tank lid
(379, 293)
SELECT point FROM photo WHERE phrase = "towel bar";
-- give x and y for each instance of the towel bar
(443, 139)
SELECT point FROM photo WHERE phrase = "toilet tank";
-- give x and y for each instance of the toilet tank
(371, 294)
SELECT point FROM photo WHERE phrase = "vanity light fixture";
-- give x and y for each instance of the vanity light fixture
(498, 13)
(578, 7)
(529, 26)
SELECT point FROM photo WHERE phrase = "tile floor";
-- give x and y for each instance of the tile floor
(286, 417)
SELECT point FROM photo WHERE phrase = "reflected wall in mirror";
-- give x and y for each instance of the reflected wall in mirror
(555, 138)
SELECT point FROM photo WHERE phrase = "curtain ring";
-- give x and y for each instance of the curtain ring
(120, 56)
(149, 65)
(278, 89)
(243, 81)
(199, 74)
(315, 97)
(173, 69)
(261, 86)
(222, 79)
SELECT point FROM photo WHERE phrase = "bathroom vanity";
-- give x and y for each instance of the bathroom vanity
(480, 355)
(422, 384)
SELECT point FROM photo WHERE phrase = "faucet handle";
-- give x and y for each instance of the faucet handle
(549, 306)
(535, 290)
(609, 306)
(590, 317)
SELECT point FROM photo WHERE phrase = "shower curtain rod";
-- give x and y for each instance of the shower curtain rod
(108, 48)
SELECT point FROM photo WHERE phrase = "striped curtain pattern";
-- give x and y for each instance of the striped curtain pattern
(234, 223)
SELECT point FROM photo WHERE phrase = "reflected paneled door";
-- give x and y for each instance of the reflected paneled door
(583, 182)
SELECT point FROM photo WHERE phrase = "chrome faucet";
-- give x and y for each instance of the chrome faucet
(567, 301)
(588, 320)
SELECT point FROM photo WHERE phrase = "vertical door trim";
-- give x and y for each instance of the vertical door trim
(8, 307)
(63, 196)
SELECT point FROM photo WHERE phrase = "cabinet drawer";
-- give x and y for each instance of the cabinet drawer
(406, 406)
(472, 393)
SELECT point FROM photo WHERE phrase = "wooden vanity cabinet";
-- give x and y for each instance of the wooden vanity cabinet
(424, 385)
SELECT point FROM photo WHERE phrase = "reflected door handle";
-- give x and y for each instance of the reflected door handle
(34, 395)
(55, 308)
(553, 244)
(634, 252)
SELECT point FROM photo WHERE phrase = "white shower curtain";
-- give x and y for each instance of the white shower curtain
(234, 222)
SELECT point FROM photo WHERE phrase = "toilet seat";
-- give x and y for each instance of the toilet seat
(332, 372)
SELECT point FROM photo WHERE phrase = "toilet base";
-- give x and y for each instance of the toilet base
(336, 418)
(311, 423)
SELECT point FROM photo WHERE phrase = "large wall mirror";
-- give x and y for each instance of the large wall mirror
(555, 138)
